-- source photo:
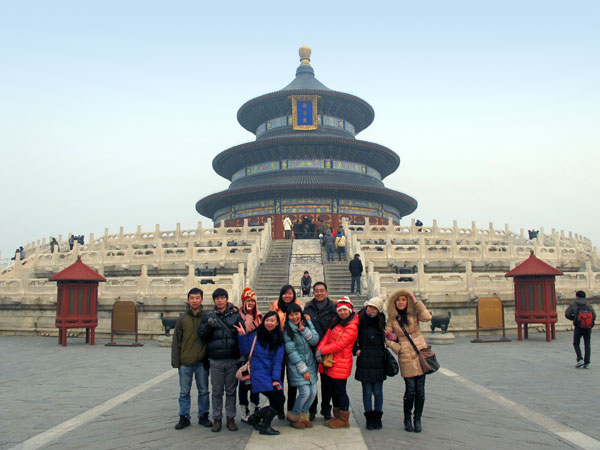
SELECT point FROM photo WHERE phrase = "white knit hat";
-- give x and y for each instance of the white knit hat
(376, 302)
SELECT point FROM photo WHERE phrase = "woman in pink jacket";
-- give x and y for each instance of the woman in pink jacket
(339, 341)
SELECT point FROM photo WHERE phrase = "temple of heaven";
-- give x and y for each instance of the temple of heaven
(306, 162)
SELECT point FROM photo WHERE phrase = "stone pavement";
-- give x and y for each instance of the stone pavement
(487, 396)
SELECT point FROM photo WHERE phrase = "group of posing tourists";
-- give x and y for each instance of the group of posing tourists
(254, 353)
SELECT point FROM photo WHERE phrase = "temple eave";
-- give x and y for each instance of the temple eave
(403, 202)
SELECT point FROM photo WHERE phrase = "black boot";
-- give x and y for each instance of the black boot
(419, 403)
(377, 425)
(408, 406)
(265, 424)
(183, 422)
(369, 417)
(326, 412)
(256, 418)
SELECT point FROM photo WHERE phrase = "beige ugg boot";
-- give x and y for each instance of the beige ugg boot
(295, 421)
(304, 417)
(336, 413)
(342, 421)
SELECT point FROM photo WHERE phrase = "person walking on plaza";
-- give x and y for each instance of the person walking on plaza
(321, 311)
(356, 269)
(404, 313)
(252, 319)
(329, 241)
(299, 335)
(287, 227)
(583, 316)
(305, 284)
(370, 361)
(339, 342)
(265, 373)
(189, 357)
(340, 243)
(218, 331)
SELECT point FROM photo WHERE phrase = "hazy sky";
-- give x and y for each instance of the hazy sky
(111, 112)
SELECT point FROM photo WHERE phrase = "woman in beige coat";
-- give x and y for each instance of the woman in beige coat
(403, 309)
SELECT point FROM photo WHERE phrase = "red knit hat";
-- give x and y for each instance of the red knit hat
(344, 303)
(248, 294)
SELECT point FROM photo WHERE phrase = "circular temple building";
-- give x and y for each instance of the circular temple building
(306, 162)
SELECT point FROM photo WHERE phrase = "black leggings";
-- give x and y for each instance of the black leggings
(243, 390)
(276, 399)
(415, 387)
(339, 396)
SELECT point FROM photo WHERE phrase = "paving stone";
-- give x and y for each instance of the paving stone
(43, 384)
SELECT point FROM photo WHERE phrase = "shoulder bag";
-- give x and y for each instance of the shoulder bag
(427, 359)
(391, 364)
(328, 359)
(243, 373)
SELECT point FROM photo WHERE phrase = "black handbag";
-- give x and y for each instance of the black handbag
(392, 368)
(427, 359)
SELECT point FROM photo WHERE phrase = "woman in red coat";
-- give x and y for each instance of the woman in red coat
(339, 341)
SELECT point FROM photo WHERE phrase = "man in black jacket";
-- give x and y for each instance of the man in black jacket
(356, 270)
(217, 330)
(321, 311)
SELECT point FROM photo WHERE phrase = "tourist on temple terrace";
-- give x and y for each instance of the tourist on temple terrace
(404, 313)
(265, 375)
(252, 319)
(218, 331)
(321, 310)
(190, 358)
(299, 335)
(287, 296)
(370, 361)
(338, 342)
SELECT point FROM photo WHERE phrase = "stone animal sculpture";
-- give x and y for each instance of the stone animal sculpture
(168, 323)
(440, 322)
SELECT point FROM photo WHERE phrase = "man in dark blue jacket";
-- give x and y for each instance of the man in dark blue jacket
(217, 330)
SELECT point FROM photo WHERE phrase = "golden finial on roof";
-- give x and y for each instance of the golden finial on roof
(304, 53)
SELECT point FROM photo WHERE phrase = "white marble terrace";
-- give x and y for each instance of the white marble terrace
(458, 263)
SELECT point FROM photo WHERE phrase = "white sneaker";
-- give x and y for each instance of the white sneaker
(579, 364)
(245, 413)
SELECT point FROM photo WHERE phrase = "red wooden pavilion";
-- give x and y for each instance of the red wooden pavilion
(535, 296)
(77, 300)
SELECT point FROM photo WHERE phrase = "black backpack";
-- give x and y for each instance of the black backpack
(585, 317)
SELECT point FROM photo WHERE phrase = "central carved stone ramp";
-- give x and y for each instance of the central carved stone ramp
(339, 281)
(273, 273)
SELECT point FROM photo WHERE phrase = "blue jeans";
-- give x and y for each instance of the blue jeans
(185, 386)
(329, 252)
(373, 389)
(341, 251)
(306, 395)
(355, 280)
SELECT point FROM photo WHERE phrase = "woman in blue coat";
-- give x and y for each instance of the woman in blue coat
(265, 373)
(299, 335)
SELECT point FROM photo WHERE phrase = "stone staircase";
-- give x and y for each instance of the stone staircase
(273, 273)
(339, 281)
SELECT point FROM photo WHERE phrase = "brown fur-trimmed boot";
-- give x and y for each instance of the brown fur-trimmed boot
(304, 417)
(342, 421)
(336, 414)
(295, 421)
